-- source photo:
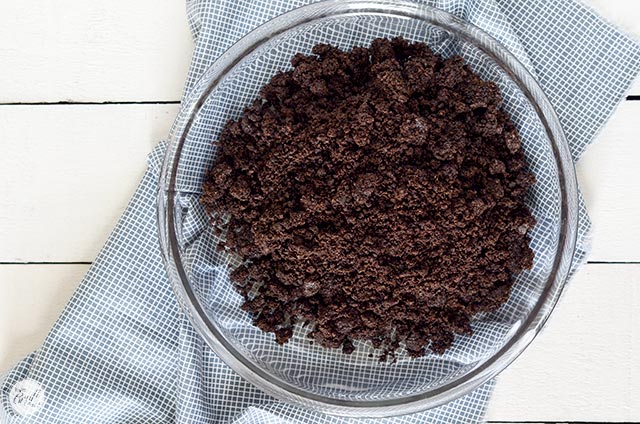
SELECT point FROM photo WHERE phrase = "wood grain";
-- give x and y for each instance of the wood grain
(77, 50)
(584, 366)
(31, 299)
(120, 50)
(608, 176)
(68, 173)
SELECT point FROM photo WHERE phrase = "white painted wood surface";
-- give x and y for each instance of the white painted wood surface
(122, 50)
(610, 182)
(91, 157)
(32, 296)
(79, 164)
(584, 366)
(581, 368)
(76, 50)
(68, 173)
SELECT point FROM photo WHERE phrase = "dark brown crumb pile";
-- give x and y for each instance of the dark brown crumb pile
(377, 195)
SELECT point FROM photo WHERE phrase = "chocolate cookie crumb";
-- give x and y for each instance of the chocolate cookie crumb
(376, 194)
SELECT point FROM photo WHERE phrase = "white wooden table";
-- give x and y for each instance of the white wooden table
(87, 88)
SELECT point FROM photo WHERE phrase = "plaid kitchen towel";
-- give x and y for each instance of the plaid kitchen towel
(122, 351)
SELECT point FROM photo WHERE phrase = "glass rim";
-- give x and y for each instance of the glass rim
(460, 385)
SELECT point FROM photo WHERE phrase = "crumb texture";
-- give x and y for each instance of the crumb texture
(377, 195)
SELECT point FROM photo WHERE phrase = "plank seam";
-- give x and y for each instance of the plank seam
(613, 262)
(143, 102)
(46, 263)
(562, 422)
(65, 103)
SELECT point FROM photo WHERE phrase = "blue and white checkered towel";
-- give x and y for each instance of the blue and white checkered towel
(122, 351)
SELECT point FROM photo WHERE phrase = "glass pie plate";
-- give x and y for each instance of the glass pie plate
(324, 379)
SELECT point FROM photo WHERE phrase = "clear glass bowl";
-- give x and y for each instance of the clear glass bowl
(309, 375)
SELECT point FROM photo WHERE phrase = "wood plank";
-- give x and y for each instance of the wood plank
(608, 176)
(76, 50)
(635, 88)
(626, 15)
(68, 173)
(119, 50)
(31, 299)
(584, 366)
(68, 178)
